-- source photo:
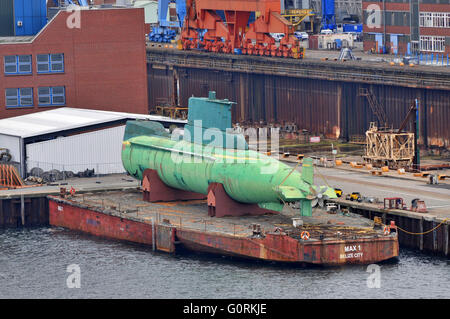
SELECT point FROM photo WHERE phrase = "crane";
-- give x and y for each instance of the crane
(165, 32)
(205, 28)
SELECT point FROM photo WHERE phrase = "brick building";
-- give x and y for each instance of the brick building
(100, 65)
(402, 26)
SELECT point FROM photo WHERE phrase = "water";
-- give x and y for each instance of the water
(33, 264)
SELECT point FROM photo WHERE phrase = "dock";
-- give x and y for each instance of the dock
(28, 207)
(417, 227)
(36, 208)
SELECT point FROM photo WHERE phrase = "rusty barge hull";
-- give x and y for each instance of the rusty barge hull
(281, 248)
(180, 234)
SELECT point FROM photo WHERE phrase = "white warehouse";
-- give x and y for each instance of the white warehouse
(69, 139)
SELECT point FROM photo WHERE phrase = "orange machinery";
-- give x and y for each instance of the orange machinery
(226, 36)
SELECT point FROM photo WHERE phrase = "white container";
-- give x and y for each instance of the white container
(297, 222)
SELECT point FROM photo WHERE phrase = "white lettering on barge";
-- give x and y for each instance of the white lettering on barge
(352, 251)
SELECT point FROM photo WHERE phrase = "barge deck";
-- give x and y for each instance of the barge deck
(334, 239)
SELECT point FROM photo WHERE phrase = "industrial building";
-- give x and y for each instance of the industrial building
(343, 8)
(400, 27)
(96, 64)
(69, 139)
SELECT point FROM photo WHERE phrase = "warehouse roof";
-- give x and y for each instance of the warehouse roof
(66, 118)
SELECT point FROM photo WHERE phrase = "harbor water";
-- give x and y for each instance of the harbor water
(37, 262)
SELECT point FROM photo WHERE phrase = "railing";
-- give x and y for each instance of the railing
(143, 213)
(51, 172)
(366, 72)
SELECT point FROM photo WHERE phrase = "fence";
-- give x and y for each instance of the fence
(51, 172)
(433, 59)
(142, 213)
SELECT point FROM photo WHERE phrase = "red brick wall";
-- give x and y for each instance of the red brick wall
(389, 29)
(427, 7)
(389, 6)
(445, 32)
(402, 46)
(105, 62)
(435, 8)
(406, 29)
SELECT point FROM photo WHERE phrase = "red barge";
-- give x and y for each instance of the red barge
(325, 239)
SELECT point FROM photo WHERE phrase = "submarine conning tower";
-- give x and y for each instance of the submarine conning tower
(209, 123)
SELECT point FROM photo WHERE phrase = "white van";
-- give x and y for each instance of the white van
(277, 36)
(326, 31)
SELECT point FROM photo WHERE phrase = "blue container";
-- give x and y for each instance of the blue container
(30, 16)
(352, 28)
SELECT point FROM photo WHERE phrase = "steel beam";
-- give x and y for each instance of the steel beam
(350, 71)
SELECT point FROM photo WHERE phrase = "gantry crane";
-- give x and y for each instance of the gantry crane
(204, 28)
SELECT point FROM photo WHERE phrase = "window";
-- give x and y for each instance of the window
(432, 43)
(51, 96)
(50, 63)
(18, 64)
(434, 19)
(10, 64)
(22, 97)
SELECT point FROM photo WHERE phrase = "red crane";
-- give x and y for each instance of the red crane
(234, 32)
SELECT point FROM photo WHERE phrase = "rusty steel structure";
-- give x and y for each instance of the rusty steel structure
(9, 177)
(296, 16)
(321, 97)
(388, 148)
(236, 32)
(173, 112)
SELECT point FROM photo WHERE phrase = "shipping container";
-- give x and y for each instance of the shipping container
(313, 42)
(352, 28)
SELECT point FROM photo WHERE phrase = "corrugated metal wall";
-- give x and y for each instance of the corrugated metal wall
(437, 109)
(160, 86)
(32, 13)
(99, 150)
(6, 18)
(321, 107)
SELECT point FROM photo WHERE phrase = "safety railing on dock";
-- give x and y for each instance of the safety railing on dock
(52, 172)
(143, 213)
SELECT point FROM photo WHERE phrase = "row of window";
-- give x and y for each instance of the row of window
(434, 19)
(47, 96)
(46, 63)
(432, 43)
